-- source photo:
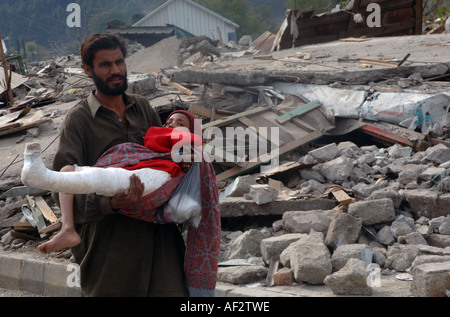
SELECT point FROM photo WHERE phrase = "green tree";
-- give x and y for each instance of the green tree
(317, 5)
(252, 21)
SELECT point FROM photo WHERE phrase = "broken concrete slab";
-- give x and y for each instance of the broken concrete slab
(373, 211)
(343, 229)
(310, 260)
(241, 274)
(431, 280)
(239, 206)
(271, 248)
(427, 202)
(305, 221)
(351, 279)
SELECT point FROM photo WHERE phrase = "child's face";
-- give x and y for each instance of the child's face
(178, 120)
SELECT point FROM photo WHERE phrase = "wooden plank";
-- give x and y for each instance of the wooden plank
(386, 135)
(25, 127)
(53, 227)
(45, 209)
(230, 119)
(205, 112)
(298, 112)
(168, 82)
(24, 226)
(236, 171)
(37, 215)
(342, 197)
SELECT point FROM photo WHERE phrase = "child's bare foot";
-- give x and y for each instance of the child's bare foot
(64, 239)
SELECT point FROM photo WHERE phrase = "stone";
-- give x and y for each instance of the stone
(385, 236)
(239, 187)
(373, 211)
(350, 280)
(427, 202)
(310, 174)
(444, 228)
(262, 194)
(415, 238)
(348, 251)
(402, 226)
(343, 229)
(337, 170)
(400, 257)
(310, 260)
(273, 246)
(241, 274)
(304, 221)
(325, 153)
(410, 173)
(438, 154)
(393, 191)
(431, 280)
(439, 240)
(246, 245)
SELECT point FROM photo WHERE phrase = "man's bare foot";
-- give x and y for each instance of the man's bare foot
(64, 239)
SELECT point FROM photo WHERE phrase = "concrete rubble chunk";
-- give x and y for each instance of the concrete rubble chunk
(304, 221)
(242, 274)
(428, 203)
(246, 245)
(410, 173)
(239, 187)
(373, 211)
(343, 229)
(310, 260)
(349, 251)
(402, 226)
(337, 170)
(350, 280)
(431, 280)
(438, 154)
(400, 257)
(385, 236)
(273, 246)
(262, 194)
(392, 191)
(325, 153)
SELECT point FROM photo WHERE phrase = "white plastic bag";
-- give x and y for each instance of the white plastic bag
(185, 204)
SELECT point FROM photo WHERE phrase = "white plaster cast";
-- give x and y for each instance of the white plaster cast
(107, 181)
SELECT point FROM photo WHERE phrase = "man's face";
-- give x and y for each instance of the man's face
(109, 72)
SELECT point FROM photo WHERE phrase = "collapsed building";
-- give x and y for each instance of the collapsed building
(356, 170)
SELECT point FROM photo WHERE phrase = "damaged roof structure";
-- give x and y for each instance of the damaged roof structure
(346, 150)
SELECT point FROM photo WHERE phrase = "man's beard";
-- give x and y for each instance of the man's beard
(103, 87)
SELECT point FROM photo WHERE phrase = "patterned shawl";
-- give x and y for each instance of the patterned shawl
(203, 242)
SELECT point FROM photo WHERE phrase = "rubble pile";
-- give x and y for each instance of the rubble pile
(397, 220)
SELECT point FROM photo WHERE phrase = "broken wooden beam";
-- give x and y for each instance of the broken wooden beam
(298, 112)
(166, 81)
(386, 135)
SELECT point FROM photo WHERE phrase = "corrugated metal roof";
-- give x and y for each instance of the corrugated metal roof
(170, 2)
(16, 80)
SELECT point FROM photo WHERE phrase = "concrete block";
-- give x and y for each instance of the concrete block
(431, 280)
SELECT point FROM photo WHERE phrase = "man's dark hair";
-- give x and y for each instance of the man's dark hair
(96, 42)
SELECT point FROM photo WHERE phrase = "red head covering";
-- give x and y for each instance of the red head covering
(194, 126)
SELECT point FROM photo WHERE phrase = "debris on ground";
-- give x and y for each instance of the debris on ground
(354, 184)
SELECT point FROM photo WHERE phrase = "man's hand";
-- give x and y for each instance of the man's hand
(186, 162)
(130, 196)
